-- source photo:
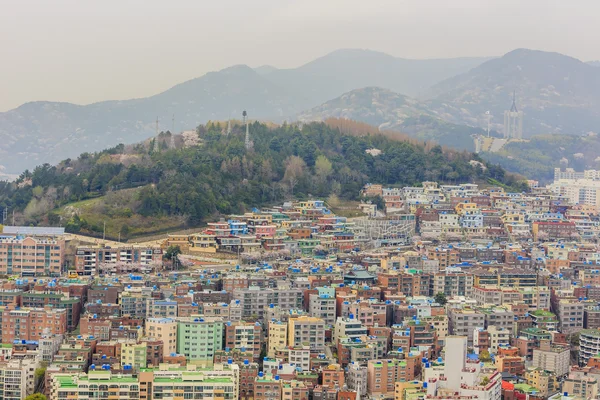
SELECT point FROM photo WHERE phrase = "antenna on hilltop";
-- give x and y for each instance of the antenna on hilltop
(229, 125)
(247, 142)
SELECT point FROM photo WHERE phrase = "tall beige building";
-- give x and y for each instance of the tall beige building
(165, 330)
(277, 337)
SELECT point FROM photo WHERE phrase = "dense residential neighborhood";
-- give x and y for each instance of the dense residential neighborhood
(433, 291)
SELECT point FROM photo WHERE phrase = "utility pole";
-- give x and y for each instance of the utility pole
(104, 231)
(13, 218)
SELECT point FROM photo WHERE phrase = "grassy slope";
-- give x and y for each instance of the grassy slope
(115, 209)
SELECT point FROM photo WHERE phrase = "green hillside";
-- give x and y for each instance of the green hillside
(185, 186)
(538, 157)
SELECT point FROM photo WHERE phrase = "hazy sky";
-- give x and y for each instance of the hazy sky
(83, 51)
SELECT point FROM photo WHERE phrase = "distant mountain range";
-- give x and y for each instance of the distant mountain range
(40, 132)
(392, 111)
(344, 70)
(442, 99)
(558, 94)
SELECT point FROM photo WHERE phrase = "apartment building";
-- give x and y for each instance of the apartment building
(591, 317)
(32, 255)
(307, 330)
(545, 382)
(505, 277)
(134, 355)
(294, 390)
(322, 305)
(583, 387)
(299, 357)
(97, 327)
(199, 338)
(133, 303)
(350, 328)
(165, 382)
(491, 294)
(17, 378)
(277, 337)
(267, 387)
(464, 321)
(382, 375)
(536, 297)
(165, 330)
(169, 382)
(333, 375)
(589, 345)
(356, 378)
(229, 312)
(255, 300)
(452, 283)
(499, 317)
(244, 336)
(553, 230)
(498, 337)
(30, 323)
(57, 300)
(446, 257)
(570, 315)
(89, 259)
(161, 308)
(552, 357)
(509, 361)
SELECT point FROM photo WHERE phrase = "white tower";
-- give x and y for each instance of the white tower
(454, 362)
(247, 142)
(513, 122)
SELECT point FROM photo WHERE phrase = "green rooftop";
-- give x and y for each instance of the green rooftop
(525, 388)
(99, 377)
(66, 382)
(542, 313)
(535, 331)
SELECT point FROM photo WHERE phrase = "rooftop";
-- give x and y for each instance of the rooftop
(591, 332)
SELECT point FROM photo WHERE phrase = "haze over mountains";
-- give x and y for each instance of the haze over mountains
(557, 93)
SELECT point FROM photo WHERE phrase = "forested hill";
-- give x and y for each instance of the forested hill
(216, 174)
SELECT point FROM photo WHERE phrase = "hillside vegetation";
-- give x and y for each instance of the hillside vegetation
(538, 157)
(188, 185)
